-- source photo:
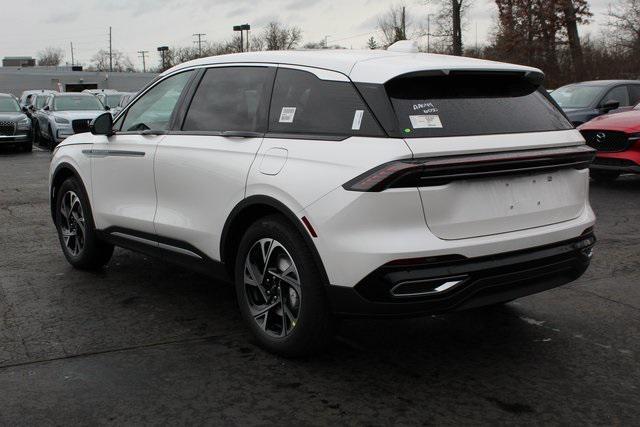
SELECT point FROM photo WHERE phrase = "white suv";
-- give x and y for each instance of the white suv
(333, 183)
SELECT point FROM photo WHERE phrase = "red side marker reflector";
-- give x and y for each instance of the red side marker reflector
(309, 227)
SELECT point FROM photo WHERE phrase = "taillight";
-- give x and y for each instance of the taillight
(442, 170)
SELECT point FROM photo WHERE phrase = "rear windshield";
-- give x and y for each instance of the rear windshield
(75, 103)
(471, 104)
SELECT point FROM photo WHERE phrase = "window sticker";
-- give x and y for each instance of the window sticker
(425, 108)
(357, 120)
(287, 114)
(426, 121)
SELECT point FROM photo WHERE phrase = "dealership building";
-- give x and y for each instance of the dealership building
(15, 80)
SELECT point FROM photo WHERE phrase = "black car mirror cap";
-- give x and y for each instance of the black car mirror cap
(46, 108)
(102, 125)
(610, 105)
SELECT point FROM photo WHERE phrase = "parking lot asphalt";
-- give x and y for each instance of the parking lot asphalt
(148, 343)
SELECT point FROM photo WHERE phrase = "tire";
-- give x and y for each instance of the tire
(51, 141)
(27, 147)
(300, 311)
(604, 175)
(37, 136)
(76, 231)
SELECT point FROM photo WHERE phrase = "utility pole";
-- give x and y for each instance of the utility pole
(163, 50)
(144, 64)
(428, 33)
(110, 53)
(72, 54)
(242, 28)
(199, 36)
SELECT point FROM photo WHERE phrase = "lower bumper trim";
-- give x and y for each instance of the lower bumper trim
(490, 280)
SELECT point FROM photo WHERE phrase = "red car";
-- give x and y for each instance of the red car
(616, 137)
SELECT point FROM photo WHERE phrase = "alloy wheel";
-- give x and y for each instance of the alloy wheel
(272, 287)
(72, 223)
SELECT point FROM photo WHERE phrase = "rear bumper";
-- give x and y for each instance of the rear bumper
(478, 281)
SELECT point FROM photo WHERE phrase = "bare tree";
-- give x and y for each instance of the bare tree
(624, 25)
(120, 61)
(50, 56)
(450, 22)
(277, 36)
(394, 24)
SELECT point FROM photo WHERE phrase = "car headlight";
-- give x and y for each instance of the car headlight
(24, 124)
(61, 121)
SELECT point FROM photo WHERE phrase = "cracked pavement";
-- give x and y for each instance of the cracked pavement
(148, 343)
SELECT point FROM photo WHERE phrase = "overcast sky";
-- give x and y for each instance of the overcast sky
(147, 24)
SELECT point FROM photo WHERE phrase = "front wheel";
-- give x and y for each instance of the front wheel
(280, 290)
(76, 231)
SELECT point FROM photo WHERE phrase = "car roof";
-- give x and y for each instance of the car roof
(603, 83)
(31, 91)
(71, 94)
(368, 66)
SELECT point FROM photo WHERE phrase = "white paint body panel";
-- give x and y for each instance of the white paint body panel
(199, 180)
(123, 186)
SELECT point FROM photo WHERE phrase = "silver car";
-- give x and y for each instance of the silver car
(63, 115)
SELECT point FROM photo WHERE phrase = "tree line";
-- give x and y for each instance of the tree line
(541, 33)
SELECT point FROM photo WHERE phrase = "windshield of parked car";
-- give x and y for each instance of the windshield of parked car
(9, 105)
(577, 96)
(112, 100)
(76, 103)
(463, 104)
(40, 101)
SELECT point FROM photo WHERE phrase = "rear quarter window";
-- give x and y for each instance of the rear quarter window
(304, 104)
(471, 104)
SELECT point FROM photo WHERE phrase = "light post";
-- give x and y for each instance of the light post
(163, 50)
(242, 28)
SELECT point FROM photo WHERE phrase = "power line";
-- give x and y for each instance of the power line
(144, 64)
(199, 36)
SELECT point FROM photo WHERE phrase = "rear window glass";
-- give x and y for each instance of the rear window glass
(304, 104)
(471, 104)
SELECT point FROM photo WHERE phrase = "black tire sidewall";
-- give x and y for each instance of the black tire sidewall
(95, 252)
(314, 322)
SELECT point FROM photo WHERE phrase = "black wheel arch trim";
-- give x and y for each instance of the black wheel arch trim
(255, 201)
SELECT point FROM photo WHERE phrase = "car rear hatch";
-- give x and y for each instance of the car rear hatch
(492, 154)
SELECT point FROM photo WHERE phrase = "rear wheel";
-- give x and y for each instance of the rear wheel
(76, 231)
(51, 141)
(604, 176)
(280, 291)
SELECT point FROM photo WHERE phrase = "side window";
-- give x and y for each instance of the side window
(303, 103)
(619, 94)
(153, 110)
(634, 94)
(231, 99)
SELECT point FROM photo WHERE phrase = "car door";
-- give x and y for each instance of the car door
(201, 167)
(43, 116)
(123, 187)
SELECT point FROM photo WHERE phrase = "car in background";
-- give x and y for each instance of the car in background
(617, 139)
(124, 100)
(110, 100)
(36, 102)
(583, 101)
(63, 115)
(25, 97)
(15, 126)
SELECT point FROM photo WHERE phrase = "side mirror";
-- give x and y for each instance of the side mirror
(102, 125)
(610, 105)
(46, 108)
(107, 108)
(24, 109)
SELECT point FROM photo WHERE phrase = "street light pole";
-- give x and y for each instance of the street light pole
(242, 28)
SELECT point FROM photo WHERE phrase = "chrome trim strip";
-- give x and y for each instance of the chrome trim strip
(112, 153)
(134, 238)
(157, 244)
(179, 250)
(449, 284)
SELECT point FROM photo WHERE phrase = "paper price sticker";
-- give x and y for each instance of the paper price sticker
(287, 114)
(425, 121)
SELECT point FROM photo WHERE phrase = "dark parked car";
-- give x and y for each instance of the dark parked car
(15, 126)
(583, 101)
